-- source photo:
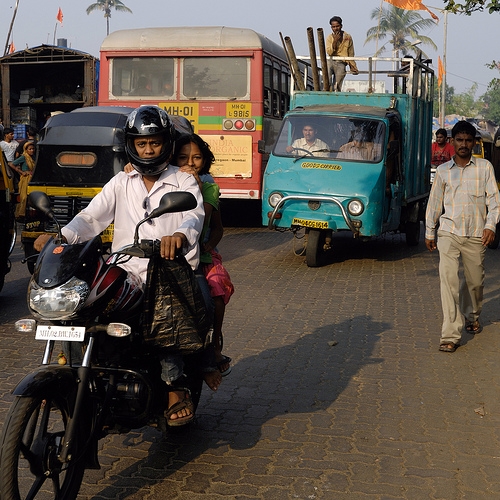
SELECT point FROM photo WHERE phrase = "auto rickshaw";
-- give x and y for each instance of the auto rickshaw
(7, 220)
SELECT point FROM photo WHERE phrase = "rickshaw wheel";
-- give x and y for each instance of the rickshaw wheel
(315, 250)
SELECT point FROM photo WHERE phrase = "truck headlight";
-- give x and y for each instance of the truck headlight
(355, 207)
(274, 199)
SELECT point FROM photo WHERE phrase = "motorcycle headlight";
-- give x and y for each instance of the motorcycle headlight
(60, 302)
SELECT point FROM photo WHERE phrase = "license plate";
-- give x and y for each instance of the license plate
(63, 333)
(317, 224)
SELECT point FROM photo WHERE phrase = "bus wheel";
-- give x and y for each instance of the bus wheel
(318, 247)
(494, 244)
(412, 230)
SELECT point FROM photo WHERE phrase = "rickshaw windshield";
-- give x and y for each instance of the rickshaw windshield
(322, 136)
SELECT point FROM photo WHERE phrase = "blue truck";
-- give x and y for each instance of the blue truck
(366, 169)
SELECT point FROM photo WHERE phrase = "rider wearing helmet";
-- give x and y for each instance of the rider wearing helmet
(128, 198)
(144, 122)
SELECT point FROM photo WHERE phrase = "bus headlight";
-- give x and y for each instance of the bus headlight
(275, 198)
(355, 207)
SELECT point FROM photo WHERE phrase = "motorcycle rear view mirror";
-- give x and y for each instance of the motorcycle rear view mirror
(174, 202)
(40, 201)
(179, 201)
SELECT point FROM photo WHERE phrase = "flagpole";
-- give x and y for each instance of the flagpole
(55, 29)
(10, 28)
(442, 111)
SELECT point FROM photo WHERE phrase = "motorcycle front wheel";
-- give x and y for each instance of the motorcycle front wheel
(31, 443)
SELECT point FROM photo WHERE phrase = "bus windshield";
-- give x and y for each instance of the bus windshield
(346, 138)
(201, 77)
(142, 76)
(215, 77)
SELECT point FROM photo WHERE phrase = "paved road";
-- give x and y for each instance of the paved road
(338, 390)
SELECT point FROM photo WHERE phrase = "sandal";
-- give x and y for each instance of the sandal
(448, 347)
(184, 403)
(473, 327)
(225, 361)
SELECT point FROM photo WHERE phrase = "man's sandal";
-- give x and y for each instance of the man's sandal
(473, 327)
(448, 347)
(184, 403)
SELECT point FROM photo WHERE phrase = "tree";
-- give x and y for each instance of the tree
(402, 26)
(465, 104)
(470, 6)
(106, 6)
(491, 98)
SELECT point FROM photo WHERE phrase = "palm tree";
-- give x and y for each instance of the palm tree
(106, 6)
(402, 26)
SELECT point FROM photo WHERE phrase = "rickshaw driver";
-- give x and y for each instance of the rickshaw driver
(149, 145)
(309, 143)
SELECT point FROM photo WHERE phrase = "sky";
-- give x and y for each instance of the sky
(472, 41)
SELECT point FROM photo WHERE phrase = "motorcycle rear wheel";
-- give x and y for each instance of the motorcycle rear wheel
(30, 446)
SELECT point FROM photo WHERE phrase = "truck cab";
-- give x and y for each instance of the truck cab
(369, 173)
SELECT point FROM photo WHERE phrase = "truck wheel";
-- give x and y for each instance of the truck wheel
(31, 443)
(494, 244)
(315, 250)
(412, 230)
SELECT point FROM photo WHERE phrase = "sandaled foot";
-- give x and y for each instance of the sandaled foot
(473, 327)
(180, 410)
(224, 365)
(448, 347)
(213, 379)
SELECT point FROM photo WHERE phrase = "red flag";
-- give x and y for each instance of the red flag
(59, 16)
(441, 71)
(411, 5)
(12, 48)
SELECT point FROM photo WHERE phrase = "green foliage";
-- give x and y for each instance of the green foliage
(470, 6)
(491, 98)
(466, 104)
(106, 6)
(449, 97)
(402, 27)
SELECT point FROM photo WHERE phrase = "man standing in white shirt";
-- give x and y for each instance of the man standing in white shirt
(9, 144)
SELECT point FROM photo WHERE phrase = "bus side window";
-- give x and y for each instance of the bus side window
(267, 86)
(276, 103)
(267, 102)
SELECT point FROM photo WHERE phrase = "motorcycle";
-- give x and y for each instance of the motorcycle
(105, 380)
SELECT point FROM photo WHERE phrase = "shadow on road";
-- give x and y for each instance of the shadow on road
(305, 377)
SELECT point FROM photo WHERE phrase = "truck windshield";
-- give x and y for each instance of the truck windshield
(346, 138)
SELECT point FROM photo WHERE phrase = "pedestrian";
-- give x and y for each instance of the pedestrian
(464, 202)
(9, 144)
(442, 150)
(339, 44)
(32, 134)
